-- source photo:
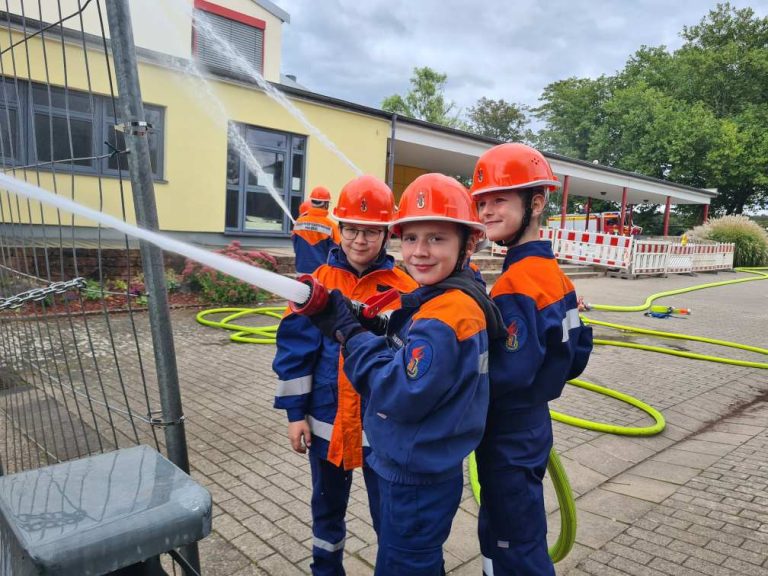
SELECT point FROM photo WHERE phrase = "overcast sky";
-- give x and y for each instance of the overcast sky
(365, 50)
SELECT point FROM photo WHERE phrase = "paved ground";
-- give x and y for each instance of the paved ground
(691, 501)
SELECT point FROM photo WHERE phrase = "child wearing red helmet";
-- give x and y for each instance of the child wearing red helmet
(426, 381)
(314, 234)
(324, 411)
(545, 345)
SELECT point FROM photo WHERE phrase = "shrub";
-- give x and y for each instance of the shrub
(750, 239)
(218, 288)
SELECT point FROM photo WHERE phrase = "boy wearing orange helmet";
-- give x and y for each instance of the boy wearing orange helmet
(323, 409)
(314, 234)
(545, 345)
(426, 381)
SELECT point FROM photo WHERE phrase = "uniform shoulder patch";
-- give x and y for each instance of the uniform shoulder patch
(517, 334)
(418, 358)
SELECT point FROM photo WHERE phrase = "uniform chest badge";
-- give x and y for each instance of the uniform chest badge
(516, 334)
(418, 357)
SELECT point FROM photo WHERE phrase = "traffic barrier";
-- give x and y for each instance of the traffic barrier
(650, 257)
(594, 248)
(681, 258)
(544, 234)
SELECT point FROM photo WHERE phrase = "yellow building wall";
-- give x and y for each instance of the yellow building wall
(191, 195)
(404, 175)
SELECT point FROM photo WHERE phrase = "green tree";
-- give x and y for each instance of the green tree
(425, 100)
(572, 111)
(696, 116)
(499, 119)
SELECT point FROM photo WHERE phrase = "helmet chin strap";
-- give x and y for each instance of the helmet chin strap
(465, 234)
(528, 202)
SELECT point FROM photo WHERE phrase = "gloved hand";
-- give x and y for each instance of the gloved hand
(377, 324)
(336, 321)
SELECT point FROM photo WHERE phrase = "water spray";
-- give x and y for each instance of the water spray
(285, 287)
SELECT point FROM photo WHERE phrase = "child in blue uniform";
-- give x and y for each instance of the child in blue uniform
(545, 345)
(324, 411)
(314, 234)
(426, 382)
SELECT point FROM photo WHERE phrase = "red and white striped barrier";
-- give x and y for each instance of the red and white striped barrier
(650, 257)
(593, 248)
(635, 256)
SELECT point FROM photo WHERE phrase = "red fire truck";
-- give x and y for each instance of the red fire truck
(603, 222)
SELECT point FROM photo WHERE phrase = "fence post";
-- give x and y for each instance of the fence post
(142, 185)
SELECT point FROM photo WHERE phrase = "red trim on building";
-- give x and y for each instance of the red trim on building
(231, 14)
(705, 214)
(623, 209)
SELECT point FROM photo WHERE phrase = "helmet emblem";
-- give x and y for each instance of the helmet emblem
(420, 202)
(480, 175)
(363, 205)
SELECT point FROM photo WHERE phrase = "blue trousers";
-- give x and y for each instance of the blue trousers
(511, 463)
(330, 495)
(415, 523)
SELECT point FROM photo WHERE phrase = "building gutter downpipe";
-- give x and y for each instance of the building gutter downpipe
(391, 151)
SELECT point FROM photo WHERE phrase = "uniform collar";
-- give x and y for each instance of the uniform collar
(338, 259)
(540, 248)
(317, 212)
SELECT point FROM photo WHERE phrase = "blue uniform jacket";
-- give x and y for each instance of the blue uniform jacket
(313, 236)
(307, 363)
(426, 386)
(546, 342)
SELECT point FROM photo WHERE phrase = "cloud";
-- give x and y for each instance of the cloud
(366, 51)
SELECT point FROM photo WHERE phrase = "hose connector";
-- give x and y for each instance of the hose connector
(318, 297)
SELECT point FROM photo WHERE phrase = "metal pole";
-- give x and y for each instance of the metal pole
(705, 214)
(623, 210)
(132, 116)
(564, 204)
(666, 215)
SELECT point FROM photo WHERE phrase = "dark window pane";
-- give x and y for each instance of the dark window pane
(233, 167)
(74, 101)
(8, 92)
(259, 138)
(246, 40)
(272, 164)
(233, 197)
(298, 172)
(117, 139)
(295, 203)
(262, 213)
(9, 132)
(81, 138)
(299, 143)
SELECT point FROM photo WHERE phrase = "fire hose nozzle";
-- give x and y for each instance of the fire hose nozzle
(318, 297)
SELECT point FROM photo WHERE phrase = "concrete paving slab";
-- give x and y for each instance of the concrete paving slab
(640, 487)
(613, 505)
(665, 471)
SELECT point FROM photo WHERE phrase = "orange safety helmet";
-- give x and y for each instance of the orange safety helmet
(436, 197)
(320, 194)
(304, 207)
(365, 200)
(511, 166)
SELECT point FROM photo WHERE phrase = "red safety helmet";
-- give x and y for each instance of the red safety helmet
(436, 197)
(320, 194)
(365, 200)
(512, 166)
(304, 207)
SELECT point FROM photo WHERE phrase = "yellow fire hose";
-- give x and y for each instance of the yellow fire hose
(244, 334)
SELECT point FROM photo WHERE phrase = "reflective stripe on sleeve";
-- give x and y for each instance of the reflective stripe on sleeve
(295, 387)
(483, 363)
(570, 321)
(487, 566)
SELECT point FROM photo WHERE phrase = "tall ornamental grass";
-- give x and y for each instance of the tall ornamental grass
(751, 240)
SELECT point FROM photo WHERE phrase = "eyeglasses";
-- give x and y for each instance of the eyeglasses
(369, 234)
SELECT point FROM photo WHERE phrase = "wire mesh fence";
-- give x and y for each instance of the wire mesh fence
(78, 372)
